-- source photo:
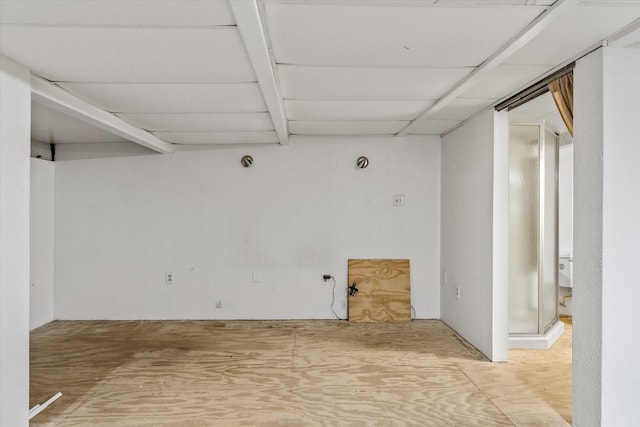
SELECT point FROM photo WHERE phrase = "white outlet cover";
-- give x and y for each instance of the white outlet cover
(398, 200)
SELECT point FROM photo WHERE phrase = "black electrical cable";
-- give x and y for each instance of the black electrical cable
(333, 298)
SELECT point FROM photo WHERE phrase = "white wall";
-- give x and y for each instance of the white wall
(42, 190)
(565, 214)
(301, 211)
(565, 202)
(15, 120)
(606, 349)
(474, 239)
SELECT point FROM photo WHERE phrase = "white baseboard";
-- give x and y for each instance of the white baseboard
(537, 341)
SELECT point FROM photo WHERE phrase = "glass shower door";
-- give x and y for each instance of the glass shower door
(524, 199)
(533, 159)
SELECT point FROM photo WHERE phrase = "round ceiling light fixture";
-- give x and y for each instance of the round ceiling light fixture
(246, 161)
(362, 162)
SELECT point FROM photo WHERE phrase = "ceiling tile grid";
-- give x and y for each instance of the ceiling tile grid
(584, 26)
(434, 126)
(312, 33)
(158, 13)
(129, 54)
(186, 71)
(344, 127)
(171, 97)
(353, 110)
(224, 138)
(161, 65)
(200, 122)
(462, 108)
(358, 83)
(376, 59)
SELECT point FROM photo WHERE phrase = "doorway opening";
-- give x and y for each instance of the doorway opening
(541, 250)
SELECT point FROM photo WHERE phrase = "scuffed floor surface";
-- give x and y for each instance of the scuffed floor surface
(288, 373)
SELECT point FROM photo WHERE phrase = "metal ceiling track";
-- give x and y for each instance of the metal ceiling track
(535, 90)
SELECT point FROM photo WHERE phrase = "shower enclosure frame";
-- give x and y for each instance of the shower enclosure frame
(543, 325)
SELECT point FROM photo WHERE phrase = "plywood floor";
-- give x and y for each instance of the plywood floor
(288, 373)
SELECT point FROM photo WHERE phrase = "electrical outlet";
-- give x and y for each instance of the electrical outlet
(457, 292)
(218, 303)
(398, 200)
(169, 278)
(325, 279)
(256, 276)
(445, 278)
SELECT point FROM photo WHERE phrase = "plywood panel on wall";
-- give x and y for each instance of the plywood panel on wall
(384, 293)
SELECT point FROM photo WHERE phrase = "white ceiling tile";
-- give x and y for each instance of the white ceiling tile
(505, 79)
(107, 54)
(171, 98)
(383, 35)
(200, 122)
(346, 127)
(433, 127)
(573, 32)
(630, 39)
(300, 82)
(210, 138)
(52, 127)
(462, 108)
(353, 110)
(113, 12)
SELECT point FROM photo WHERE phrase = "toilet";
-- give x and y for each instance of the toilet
(565, 270)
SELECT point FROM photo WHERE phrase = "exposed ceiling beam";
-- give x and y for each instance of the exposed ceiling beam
(48, 94)
(527, 34)
(629, 35)
(249, 24)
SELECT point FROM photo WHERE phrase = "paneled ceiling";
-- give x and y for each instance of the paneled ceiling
(172, 72)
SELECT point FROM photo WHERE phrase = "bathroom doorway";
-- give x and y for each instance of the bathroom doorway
(547, 349)
(538, 250)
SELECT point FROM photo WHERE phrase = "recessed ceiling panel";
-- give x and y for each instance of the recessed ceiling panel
(630, 40)
(300, 82)
(346, 128)
(462, 108)
(353, 110)
(200, 122)
(352, 83)
(171, 98)
(109, 12)
(52, 127)
(574, 31)
(434, 127)
(504, 80)
(107, 54)
(383, 35)
(211, 138)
